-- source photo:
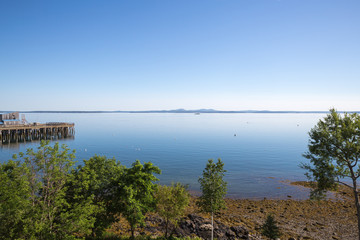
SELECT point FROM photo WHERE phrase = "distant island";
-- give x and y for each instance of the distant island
(181, 110)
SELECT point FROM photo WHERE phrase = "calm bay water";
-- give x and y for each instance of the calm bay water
(261, 152)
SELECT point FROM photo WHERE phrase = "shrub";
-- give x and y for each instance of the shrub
(270, 229)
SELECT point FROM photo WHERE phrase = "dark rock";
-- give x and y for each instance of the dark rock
(230, 234)
(201, 227)
(240, 232)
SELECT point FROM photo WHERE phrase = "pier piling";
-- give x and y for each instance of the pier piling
(29, 132)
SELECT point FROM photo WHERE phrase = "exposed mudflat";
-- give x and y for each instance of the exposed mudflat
(297, 219)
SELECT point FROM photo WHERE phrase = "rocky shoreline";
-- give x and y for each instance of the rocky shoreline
(297, 219)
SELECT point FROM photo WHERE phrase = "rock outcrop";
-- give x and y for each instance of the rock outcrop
(194, 225)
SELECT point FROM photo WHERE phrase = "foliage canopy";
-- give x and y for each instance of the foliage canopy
(37, 201)
(270, 229)
(334, 151)
(98, 181)
(42, 196)
(213, 189)
(138, 193)
(171, 202)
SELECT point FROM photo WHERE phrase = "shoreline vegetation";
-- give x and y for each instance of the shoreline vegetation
(296, 219)
(105, 200)
(333, 218)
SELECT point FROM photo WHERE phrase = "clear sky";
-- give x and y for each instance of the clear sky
(169, 54)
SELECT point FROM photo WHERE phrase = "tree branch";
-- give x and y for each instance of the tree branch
(347, 185)
(356, 160)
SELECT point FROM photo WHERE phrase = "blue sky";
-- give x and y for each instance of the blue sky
(169, 54)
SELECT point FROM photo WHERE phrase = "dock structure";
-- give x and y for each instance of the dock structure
(23, 133)
(13, 130)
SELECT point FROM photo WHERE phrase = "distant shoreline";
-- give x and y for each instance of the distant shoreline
(186, 111)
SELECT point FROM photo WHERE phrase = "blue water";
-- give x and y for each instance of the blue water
(261, 152)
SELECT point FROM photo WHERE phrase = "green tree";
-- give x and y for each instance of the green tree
(98, 181)
(213, 189)
(334, 151)
(43, 184)
(137, 196)
(270, 229)
(171, 202)
(14, 200)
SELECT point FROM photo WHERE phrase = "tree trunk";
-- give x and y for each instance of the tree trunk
(356, 195)
(358, 211)
(357, 204)
(212, 225)
(132, 232)
(166, 227)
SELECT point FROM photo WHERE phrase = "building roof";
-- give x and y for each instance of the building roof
(10, 120)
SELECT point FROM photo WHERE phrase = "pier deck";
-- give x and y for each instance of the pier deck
(35, 131)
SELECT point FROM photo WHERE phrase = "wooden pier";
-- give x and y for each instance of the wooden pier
(35, 131)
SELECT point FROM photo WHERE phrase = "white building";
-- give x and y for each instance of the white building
(8, 119)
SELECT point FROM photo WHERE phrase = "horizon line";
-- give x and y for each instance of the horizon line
(179, 111)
